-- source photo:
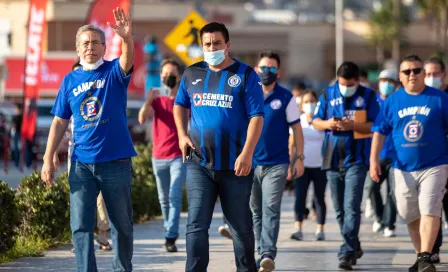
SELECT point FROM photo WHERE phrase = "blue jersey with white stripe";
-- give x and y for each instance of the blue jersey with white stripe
(281, 111)
(222, 103)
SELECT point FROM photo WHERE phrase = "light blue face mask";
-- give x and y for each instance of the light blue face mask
(214, 58)
(386, 88)
(347, 91)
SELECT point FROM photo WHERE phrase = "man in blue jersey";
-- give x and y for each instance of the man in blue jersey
(435, 77)
(271, 158)
(346, 111)
(226, 103)
(386, 214)
(417, 117)
(95, 96)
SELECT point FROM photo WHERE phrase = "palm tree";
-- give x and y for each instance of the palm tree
(384, 29)
(436, 13)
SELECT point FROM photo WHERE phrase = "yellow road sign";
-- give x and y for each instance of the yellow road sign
(184, 39)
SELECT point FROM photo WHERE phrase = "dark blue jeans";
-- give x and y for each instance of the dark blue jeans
(386, 214)
(317, 176)
(203, 187)
(114, 180)
(347, 186)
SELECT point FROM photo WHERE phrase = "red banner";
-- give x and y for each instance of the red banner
(100, 13)
(36, 32)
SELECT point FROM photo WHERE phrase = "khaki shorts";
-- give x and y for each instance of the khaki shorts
(420, 192)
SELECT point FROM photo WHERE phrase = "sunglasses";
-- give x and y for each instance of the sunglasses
(266, 69)
(416, 71)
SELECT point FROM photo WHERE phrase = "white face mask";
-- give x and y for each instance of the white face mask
(298, 100)
(309, 108)
(88, 66)
(347, 91)
(435, 82)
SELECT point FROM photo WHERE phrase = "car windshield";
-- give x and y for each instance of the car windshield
(44, 111)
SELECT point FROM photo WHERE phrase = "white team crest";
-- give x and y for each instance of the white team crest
(276, 104)
(234, 81)
(359, 102)
(413, 131)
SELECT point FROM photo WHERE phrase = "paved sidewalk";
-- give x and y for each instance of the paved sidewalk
(381, 254)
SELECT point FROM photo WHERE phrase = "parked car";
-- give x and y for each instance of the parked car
(138, 132)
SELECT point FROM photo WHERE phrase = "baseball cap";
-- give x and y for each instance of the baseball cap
(388, 74)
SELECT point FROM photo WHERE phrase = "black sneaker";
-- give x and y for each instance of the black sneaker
(425, 264)
(345, 263)
(435, 256)
(414, 267)
(357, 256)
(170, 244)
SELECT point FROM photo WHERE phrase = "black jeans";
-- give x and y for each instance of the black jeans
(386, 214)
(320, 184)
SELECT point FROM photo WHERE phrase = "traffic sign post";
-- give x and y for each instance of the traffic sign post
(184, 39)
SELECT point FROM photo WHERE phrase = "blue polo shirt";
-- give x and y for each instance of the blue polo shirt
(417, 124)
(222, 104)
(340, 148)
(281, 111)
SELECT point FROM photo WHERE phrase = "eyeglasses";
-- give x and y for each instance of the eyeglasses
(416, 71)
(93, 43)
(269, 69)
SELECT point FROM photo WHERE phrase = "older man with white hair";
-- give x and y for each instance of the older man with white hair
(96, 97)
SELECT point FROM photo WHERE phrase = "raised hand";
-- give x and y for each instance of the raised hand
(122, 26)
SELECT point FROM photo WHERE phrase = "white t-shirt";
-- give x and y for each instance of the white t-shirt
(313, 140)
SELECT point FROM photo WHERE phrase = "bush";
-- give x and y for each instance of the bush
(145, 200)
(44, 210)
(9, 219)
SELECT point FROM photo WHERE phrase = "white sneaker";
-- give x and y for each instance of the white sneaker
(389, 232)
(225, 231)
(376, 226)
(370, 212)
(320, 235)
(297, 235)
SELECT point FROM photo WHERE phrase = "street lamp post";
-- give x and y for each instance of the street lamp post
(339, 21)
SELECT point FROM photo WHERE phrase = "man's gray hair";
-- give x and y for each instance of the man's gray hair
(93, 28)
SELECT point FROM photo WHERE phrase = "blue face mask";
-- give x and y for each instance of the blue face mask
(347, 91)
(386, 88)
(214, 58)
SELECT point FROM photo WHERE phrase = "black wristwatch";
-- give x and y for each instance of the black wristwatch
(300, 157)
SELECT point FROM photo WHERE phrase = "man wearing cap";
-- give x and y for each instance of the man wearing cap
(385, 214)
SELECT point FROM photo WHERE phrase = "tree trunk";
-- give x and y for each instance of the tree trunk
(380, 55)
(396, 40)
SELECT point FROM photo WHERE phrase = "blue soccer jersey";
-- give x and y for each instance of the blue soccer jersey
(388, 151)
(97, 101)
(417, 124)
(340, 148)
(222, 103)
(281, 112)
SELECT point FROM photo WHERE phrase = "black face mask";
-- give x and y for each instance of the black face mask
(170, 81)
(267, 78)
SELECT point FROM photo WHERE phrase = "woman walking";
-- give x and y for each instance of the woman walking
(313, 172)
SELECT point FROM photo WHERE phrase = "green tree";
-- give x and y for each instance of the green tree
(384, 29)
(436, 14)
